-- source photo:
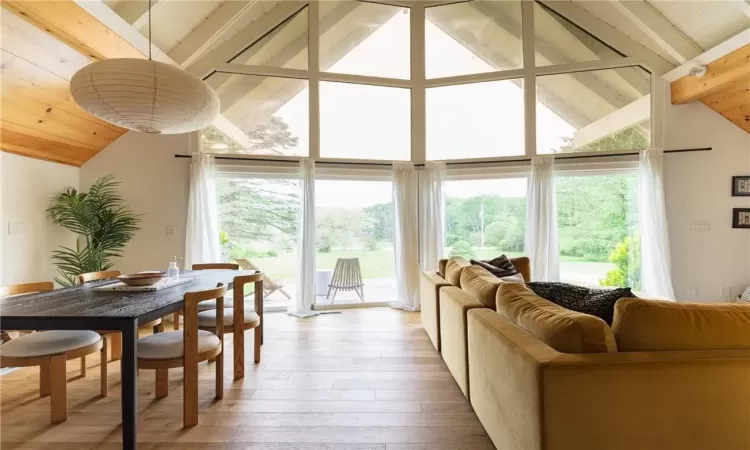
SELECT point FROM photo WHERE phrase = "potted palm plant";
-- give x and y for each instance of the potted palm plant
(103, 225)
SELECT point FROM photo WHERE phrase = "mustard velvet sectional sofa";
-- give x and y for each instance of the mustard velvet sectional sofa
(665, 375)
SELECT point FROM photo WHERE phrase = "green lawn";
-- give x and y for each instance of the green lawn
(374, 264)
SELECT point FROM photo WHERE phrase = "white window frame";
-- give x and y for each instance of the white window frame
(418, 85)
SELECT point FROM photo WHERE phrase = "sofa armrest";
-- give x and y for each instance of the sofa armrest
(686, 400)
(505, 375)
(523, 265)
(435, 279)
(429, 291)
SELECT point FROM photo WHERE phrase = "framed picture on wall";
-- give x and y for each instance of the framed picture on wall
(741, 218)
(741, 186)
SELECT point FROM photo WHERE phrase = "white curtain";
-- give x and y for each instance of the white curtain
(431, 216)
(306, 243)
(406, 235)
(202, 243)
(541, 221)
(656, 271)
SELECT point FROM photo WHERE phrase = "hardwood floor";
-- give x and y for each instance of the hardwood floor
(364, 379)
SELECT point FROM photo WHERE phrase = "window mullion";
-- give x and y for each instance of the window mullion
(418, 94)
(659, 88)
(313, 65)
(529, 78)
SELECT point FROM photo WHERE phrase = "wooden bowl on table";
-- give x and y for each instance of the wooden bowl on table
(142, 278)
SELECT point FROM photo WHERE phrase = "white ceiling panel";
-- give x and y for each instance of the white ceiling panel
(708, 23)
(172, 20)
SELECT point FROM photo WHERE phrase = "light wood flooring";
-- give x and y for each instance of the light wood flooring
(363, 379)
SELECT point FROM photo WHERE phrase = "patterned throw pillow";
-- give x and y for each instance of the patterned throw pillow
(500, 266)
(596, 302)
(745, 297)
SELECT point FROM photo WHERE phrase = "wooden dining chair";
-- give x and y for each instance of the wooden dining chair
(50, 350)
(207, 305)
(114, 337)
(29, 288)
(238, 314)
(186, 348)
(84, 278)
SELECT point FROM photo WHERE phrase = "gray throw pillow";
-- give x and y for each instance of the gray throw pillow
(500, 266)
(596, 302)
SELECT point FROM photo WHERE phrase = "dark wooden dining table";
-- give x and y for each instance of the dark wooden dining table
(84, 308)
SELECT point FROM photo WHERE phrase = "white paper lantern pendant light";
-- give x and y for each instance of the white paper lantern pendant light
(145, 95)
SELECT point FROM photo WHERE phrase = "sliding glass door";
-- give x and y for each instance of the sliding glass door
(258, 217)
(354, 228)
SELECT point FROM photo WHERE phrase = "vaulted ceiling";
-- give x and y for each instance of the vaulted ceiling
(40, 54)
(46, 42)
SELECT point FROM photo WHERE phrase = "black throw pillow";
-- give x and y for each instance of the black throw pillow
(500, 266)
(596, 302)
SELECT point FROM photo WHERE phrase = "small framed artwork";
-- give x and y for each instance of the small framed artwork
(741, 186)
(741, 218)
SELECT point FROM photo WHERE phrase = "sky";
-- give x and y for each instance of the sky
(373, 122)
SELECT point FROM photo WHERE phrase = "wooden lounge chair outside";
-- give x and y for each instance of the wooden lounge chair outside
(269, 285)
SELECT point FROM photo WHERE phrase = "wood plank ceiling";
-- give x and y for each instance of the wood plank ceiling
(43, 45)
(725, 88)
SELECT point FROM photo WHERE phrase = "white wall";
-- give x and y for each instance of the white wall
(705, 264)
(28, 236)
(155, 184)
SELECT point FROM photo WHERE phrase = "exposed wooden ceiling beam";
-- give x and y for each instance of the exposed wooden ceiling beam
(722, 73)
(206, 33)
(659, 29)
(732, 97)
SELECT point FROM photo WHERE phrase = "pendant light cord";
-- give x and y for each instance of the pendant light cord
(149, 30)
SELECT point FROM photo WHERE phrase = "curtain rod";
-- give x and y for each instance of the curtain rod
(458, 163)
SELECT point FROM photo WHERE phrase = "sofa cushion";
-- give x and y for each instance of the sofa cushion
(441, 267)
(453, 269)
(499, 267)
(523, 265)
(657, 325)
(480, 284)
(564, 330)
(596, 302)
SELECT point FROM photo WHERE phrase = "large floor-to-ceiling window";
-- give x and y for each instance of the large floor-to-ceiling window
(485, 217)
(475, 84)
(598, 238)
(259, 217)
